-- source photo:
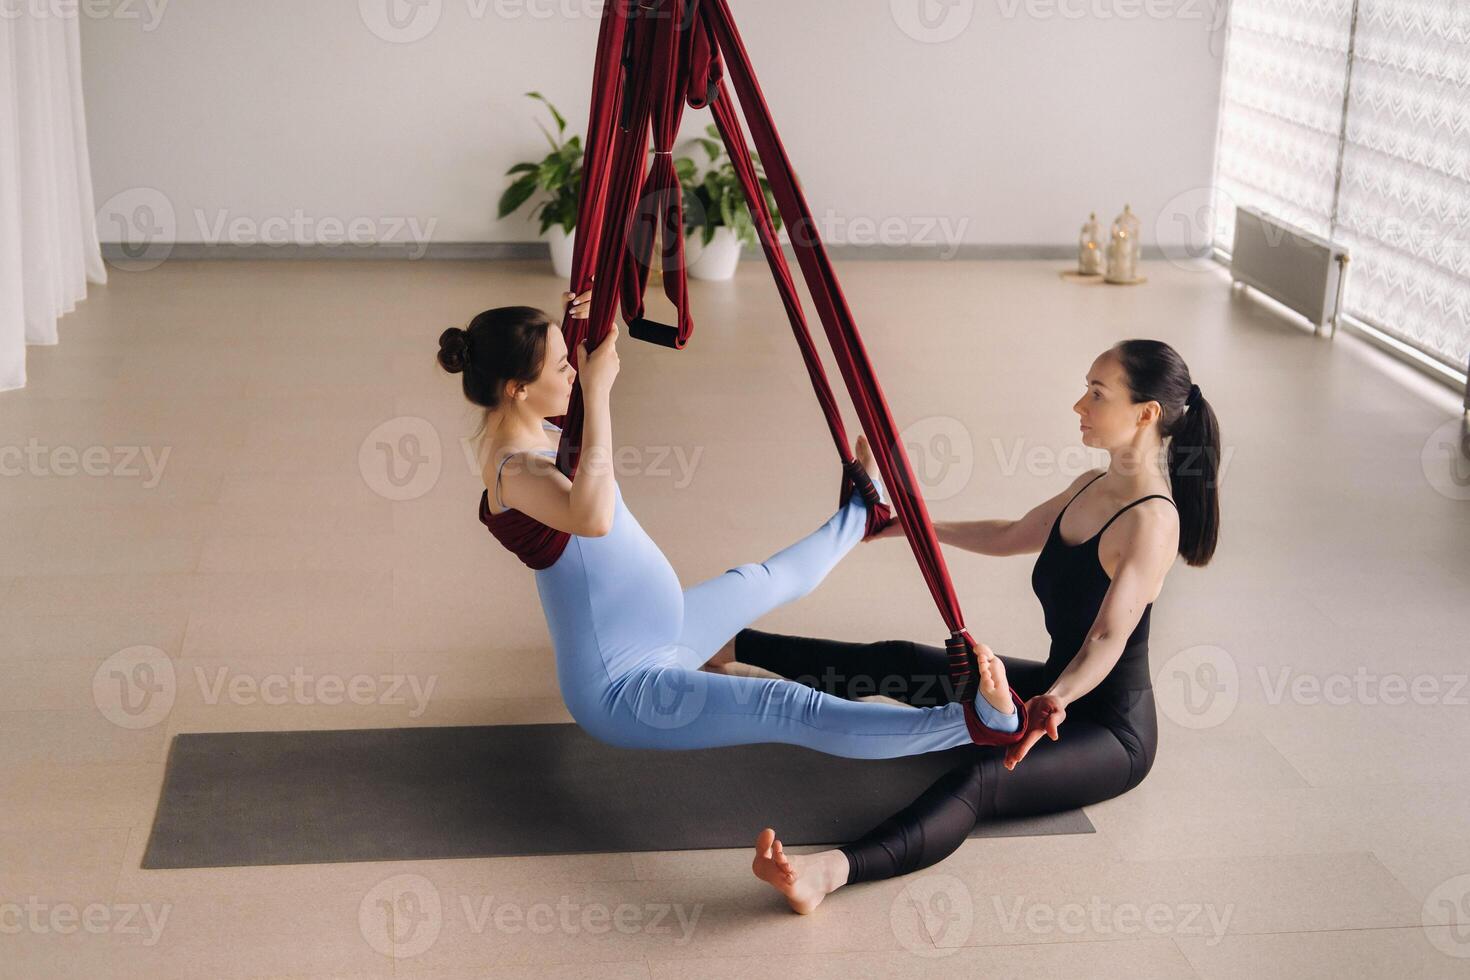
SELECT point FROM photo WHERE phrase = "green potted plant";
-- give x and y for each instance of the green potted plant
(559, 177)
(717, 221)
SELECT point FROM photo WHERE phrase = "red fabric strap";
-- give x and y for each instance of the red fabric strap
(653, 56)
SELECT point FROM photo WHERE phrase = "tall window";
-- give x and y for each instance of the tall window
(1351, 119)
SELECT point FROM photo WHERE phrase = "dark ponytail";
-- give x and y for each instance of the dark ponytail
(1156, 372)
(499, 346)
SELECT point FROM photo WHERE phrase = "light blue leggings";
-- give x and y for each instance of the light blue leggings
(629, 644)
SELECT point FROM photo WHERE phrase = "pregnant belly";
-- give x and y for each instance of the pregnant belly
(612, 603)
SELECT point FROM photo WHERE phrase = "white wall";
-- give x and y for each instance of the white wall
(1008, 133)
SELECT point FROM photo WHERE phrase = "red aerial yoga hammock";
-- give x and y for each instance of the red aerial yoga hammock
(653, 56)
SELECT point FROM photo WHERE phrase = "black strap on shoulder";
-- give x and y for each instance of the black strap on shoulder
(1134, 504)
(1084, 487)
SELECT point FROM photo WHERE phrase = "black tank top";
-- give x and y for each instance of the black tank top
(1071, 584)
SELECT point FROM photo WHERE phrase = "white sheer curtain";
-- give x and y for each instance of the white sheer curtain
(1377, 158)
(1404, 211)
(48, 224)
(1281, 111)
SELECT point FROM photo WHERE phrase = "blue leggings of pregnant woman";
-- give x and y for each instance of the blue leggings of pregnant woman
(630, 641)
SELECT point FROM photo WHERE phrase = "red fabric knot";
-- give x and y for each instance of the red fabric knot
(880, 515)
(981, 735)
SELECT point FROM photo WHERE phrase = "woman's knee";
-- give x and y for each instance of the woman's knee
(781, 588)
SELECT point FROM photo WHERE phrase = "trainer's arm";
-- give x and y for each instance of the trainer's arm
(1001, 538)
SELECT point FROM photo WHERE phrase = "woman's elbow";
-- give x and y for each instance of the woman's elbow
(595, 525)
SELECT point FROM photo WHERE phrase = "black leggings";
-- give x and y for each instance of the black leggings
(1106, 747)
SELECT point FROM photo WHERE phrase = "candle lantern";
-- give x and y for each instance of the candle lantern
(1123, 248)
(1090, 249)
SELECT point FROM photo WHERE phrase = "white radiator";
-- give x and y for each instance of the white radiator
(1292, 266)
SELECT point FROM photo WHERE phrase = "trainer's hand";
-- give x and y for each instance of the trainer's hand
(891, 530)
(581, 305)
(1044, 715)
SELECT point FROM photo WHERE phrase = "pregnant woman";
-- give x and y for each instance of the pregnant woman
(1105, 545)
(630, 642)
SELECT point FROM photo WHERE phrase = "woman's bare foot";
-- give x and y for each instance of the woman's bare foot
(864, 455)
(805, 879)
(993, 686)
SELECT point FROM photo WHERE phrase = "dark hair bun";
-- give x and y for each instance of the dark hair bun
(454, 351)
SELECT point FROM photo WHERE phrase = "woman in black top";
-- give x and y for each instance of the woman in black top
(1157, 498)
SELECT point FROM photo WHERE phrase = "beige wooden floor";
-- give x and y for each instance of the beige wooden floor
(1294, 825)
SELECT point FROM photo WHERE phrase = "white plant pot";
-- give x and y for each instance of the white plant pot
(561, 243)
(714, 261)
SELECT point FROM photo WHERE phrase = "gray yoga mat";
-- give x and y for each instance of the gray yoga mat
(240, 799)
